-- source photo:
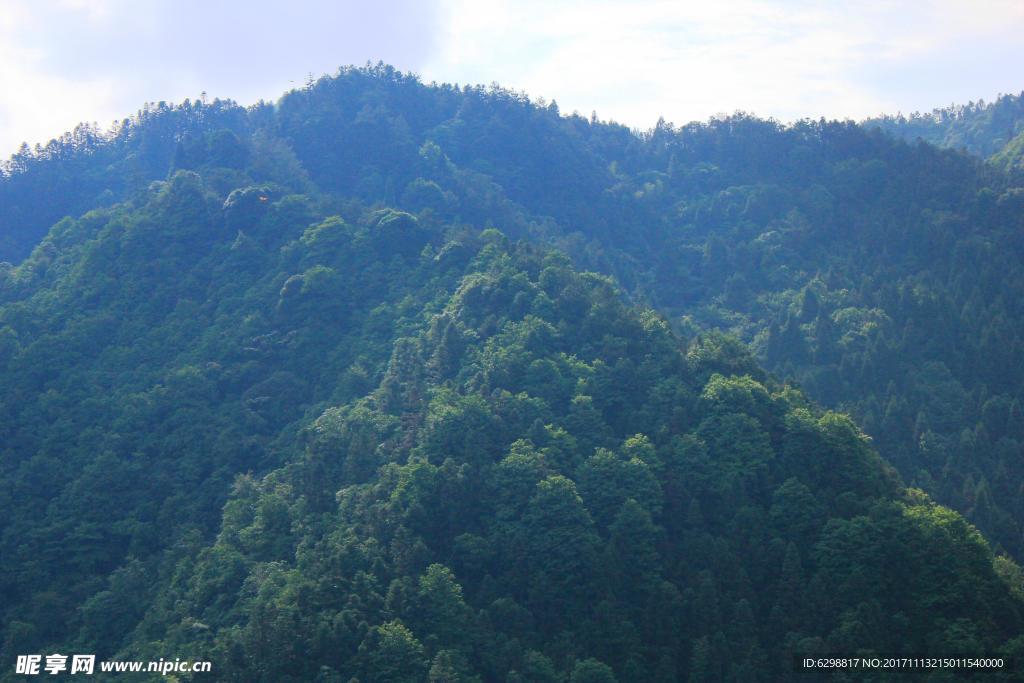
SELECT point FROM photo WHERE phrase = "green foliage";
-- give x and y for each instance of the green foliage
(1011, 157)
(978, 127)
(438, 526)
(592, 671)
(394, 654)
(288, 410)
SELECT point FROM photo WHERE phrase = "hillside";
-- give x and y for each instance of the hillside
(979, 128)
(458, 457)
(1011, 157)
(277, 392)
(884, 277)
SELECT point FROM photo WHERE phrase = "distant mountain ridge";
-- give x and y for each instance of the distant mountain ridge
(88, 167)
(981, 128)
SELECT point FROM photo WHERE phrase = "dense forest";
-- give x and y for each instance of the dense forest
(390, 381)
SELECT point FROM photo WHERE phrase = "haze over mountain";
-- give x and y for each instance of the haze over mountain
(394, 382)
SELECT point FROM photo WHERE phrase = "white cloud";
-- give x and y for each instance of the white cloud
(37, 104)
(66, 61)
(634, 61)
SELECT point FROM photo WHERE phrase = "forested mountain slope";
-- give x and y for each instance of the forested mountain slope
(886, 278)
(980, 128)
(445, 429)
(462, 460)
(90, 168)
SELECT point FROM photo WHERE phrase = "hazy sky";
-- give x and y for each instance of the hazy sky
(65, 61)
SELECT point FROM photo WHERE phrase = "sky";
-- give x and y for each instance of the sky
(67, 61)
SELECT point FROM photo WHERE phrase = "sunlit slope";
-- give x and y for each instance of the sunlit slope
(303, 438)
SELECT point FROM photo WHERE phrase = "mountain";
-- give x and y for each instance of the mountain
(979, 128)
(89, 168)
(277, 394)
(304, 445)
